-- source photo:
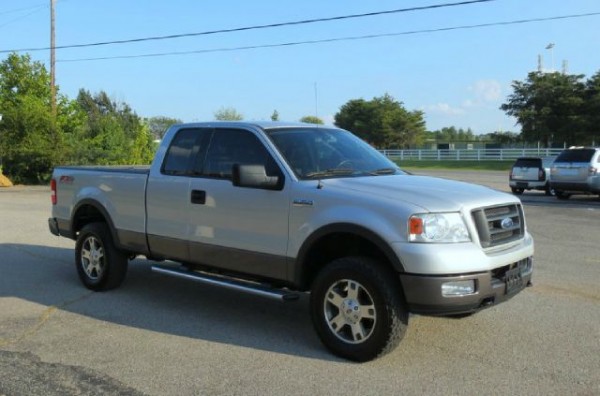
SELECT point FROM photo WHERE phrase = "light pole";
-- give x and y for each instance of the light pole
(551, 48)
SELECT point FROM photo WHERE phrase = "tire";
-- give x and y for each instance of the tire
(549, 191)
(100, 265)
(562, 195)
(517, 191)
(351, 285)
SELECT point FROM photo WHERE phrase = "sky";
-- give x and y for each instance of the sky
(457, 77)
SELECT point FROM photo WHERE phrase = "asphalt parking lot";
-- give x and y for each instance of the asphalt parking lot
(163, 336)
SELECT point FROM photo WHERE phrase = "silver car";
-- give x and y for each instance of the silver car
(576, 170)
(530, 173)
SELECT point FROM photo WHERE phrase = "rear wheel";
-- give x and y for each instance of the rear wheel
(358, 309)
(549, 190)
(517, 191)
(562, 195)
(100, 265)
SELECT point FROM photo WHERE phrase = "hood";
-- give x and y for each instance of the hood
(431, 193)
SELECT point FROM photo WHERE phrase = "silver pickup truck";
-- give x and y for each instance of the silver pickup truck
(282, 209)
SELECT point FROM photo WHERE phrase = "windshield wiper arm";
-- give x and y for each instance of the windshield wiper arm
(330, 172)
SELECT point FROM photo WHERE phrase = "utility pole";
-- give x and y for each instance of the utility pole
(52, 60)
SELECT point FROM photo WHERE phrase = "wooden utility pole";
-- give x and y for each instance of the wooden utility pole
(52, 60)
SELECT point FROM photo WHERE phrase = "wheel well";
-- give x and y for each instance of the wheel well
(334, 246)
(86, 214)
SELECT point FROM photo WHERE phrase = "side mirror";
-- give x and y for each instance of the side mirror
(254, 176)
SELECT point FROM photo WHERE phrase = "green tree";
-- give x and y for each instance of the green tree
(592, 110)
(312, 120)
(549, 107)
(29, 138)
(275, 116)
(228, 114)
(382, 121)
(111, 134)
(158, 125)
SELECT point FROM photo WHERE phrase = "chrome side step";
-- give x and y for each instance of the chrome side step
(229, 283)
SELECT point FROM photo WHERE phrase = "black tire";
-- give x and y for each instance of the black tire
(562, 195)
(517, 191)
(100, 265)
(549, 191)
(381, 327)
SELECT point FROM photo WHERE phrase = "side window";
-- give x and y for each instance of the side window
(235, 146)
(183, 148)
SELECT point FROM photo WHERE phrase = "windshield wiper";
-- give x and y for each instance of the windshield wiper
(330, 172)
(383, 171)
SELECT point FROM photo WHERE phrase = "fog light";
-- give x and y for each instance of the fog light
(458, 288)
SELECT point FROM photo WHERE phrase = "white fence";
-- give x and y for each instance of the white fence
(469, 155)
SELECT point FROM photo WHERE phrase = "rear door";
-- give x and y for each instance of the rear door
(167, 195)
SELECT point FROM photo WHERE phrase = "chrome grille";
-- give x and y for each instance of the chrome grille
(498, 225)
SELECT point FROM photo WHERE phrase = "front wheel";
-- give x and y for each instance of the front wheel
(100, 265)
(562, 195)
(358, 309)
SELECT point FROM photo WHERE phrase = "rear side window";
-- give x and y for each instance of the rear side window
(183, 149)
(528, 163)
(577, 155)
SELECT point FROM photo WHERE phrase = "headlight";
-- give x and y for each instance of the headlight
(437, 228)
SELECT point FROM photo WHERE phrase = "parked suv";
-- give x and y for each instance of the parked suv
(576, 170)
(531, 173)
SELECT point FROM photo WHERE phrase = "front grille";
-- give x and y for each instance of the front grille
(498, 225)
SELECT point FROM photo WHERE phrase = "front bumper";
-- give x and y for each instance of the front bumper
(423, 293)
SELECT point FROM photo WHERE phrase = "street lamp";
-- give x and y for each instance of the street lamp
(551, 48)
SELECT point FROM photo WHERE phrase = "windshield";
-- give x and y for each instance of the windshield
(316, 153)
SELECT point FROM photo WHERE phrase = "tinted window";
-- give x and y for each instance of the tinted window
(184, 147)
(577, 155)
(528, 162)
(235, 146)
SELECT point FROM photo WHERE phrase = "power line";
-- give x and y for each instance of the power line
(255, 27)
(338, 39)
(35, 9)
(14, 10)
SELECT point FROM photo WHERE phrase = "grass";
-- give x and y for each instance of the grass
(457, 165)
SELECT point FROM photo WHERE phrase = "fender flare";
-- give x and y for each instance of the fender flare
(347, 228)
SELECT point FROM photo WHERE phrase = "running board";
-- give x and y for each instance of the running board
(228, 283)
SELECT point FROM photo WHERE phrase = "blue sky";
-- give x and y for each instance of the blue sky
(458, 78)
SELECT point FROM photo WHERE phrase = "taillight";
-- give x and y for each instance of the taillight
(541, 174)
(593, 171)
(53, 191)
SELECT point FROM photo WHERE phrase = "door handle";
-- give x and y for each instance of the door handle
(198, 197)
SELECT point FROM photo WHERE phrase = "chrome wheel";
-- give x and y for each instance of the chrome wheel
(92, 258)
(350, 311)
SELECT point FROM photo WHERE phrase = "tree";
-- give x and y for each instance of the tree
(275, 116)
(228, 114)
(158, 125)
(112, 133)
(29, 139)
(382, 121)
(549, 107)
(312, 120)
(592, 110)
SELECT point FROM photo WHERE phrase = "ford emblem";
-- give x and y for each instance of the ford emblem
(507, 223)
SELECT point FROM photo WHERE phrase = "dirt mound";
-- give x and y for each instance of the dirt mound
(4, 182)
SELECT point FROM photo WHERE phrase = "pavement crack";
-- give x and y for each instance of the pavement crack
(42, 320)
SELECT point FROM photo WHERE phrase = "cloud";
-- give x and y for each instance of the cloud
(445, 109)
(486, 90)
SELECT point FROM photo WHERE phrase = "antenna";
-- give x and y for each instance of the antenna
(316, 102)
